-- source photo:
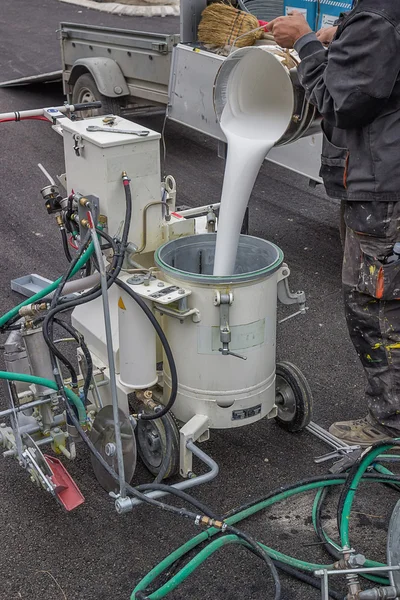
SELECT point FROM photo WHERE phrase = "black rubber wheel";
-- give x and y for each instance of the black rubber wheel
(85, 90)
(151, 445)
(294, 398)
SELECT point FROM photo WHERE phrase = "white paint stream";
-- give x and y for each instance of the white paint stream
(258, 110)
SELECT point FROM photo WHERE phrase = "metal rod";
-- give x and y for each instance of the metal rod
(65, 108)
(323, 572)
(325, 587)
(325, 436)
(111, 362)
(188, 483)
(28, 405)
(192, 212)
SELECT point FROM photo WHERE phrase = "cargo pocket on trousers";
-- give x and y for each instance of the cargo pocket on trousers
(333, 168)
(379, 280)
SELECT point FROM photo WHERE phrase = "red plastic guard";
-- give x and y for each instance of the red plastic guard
(66, 490)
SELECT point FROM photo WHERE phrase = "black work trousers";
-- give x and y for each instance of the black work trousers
(371, 289)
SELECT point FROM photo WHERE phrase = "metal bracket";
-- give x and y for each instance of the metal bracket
(285, 296)
(79, 145)
(197, 428)
(224, 301)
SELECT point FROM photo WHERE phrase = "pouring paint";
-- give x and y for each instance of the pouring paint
(254, 103)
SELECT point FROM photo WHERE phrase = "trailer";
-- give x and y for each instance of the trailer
(136, 73)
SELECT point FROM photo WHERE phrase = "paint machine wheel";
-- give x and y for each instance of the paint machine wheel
(294, 398)
(103, 437)
(151, 439)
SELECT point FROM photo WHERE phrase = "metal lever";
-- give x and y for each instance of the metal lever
(46, 174)
(227, 352)
(339, 453)
(139, 132)
(224, 301)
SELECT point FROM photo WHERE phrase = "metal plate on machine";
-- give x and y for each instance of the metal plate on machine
(246, 413)
(158, 291)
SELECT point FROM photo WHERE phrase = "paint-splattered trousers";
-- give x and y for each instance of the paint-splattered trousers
(372, 302)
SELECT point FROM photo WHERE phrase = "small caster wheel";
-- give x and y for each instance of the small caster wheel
(152, 444)
(294, 398)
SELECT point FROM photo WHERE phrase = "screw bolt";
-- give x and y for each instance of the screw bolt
(110, 449)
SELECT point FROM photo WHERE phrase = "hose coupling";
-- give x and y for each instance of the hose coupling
(33, 310)
(379, 593)
(203, 521)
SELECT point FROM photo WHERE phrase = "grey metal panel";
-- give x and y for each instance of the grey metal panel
(192, 88)
(265, 10)
(190, 18)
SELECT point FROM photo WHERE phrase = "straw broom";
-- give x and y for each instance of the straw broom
(222, 25)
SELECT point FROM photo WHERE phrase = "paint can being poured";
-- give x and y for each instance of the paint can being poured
(254, 102)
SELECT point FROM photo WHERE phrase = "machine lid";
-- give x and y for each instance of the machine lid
(105, 139)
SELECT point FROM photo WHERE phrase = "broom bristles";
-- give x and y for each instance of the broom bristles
(222, 25)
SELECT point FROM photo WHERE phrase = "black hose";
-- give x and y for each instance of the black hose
(167, 350)
(313, 581)
(319, 528)
(259, 551)
(168, 489)
(85, 351)
(65, 244)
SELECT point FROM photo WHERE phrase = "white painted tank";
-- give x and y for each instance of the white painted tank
(232, 392)
(137, 345)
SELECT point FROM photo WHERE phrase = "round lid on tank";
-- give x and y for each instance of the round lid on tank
(191, 258)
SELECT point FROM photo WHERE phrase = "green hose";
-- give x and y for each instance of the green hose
(188, 569)
(50, 288)
(73, 398)
(345, 519)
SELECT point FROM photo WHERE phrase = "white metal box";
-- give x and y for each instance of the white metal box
(94, 164)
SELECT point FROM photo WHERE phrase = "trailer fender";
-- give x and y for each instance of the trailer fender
(106, 73)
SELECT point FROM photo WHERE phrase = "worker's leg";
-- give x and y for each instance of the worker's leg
(371, 288)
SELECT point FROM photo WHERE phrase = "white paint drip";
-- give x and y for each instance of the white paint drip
(258, 110)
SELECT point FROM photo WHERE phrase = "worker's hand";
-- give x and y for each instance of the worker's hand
(326, 34)
(287, 30)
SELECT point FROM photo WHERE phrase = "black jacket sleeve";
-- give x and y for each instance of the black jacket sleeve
(350, 81)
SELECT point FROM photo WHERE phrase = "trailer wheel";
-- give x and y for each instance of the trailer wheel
(294, 398)
(85, 90)
(152, 445)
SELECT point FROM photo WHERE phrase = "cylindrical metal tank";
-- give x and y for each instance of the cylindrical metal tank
(137, 345)
(231, 391)
(39, 358)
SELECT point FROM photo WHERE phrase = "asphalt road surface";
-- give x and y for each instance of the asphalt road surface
(92, 553)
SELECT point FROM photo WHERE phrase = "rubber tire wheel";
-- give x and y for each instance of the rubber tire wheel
(302, 396)
(174, 464)
(86, 83)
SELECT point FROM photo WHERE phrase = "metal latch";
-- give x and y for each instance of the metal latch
(224, 301)
(79, 145)
(161, 47)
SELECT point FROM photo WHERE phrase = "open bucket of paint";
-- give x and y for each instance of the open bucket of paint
(258, 92)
